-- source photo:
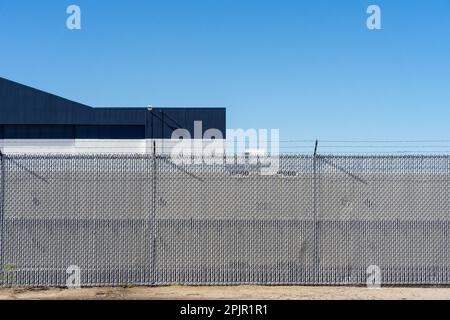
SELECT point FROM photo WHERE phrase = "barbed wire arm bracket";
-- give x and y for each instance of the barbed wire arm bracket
(316, 145)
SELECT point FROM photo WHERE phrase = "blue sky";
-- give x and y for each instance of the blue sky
(310, 68)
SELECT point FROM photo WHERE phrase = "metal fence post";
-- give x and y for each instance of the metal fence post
(2, 216)
(153, 215)
(316, 221)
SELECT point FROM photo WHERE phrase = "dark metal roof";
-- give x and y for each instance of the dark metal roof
(44, 115)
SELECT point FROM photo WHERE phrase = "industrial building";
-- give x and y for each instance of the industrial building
(32, 120)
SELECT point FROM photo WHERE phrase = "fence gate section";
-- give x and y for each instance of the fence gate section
(66, 216)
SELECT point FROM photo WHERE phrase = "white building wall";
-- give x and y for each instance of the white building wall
(106, 146)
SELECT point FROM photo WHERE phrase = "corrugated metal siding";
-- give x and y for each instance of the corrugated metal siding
(28, 113)
(163, 121)
(109, 132)
(30, 131)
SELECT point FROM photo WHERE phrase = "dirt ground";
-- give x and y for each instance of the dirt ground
(231, 292)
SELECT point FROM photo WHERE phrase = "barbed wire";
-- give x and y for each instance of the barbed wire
(288, 146)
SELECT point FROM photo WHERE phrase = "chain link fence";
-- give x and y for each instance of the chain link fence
(150, 220)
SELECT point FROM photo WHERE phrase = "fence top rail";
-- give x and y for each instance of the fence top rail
(77, 156)
(228, 156)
